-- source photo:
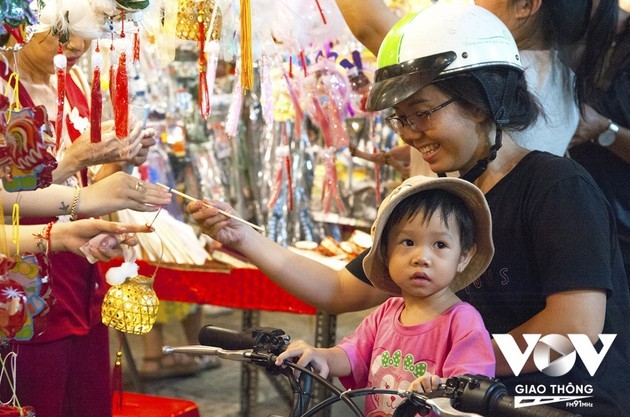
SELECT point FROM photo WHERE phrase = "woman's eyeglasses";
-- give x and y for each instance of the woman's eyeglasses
(417, 121)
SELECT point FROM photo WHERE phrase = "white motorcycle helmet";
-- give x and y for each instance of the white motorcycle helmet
(438, 41)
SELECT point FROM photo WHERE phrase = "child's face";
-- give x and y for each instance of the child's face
(424, 256)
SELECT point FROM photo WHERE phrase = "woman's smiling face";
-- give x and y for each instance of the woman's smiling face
(454, 138)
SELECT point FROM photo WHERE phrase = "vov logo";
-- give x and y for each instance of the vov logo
(568, 347)
(571, 347)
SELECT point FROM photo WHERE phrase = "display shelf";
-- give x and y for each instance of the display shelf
(335, 218)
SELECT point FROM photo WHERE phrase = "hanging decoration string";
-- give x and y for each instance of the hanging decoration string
(303, 62)
(121, 118)
(8, 370)
(96, 96)
(283, 169)
(15, 220)
(4, 244)
(60, 61)
(117, 378)
(14, 82)
(321, 12)
(247, 65)
(112, 76)
(136, 47)
(203, 99)
(295, 100)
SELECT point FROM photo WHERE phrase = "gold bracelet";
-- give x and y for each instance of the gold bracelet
(75, 204)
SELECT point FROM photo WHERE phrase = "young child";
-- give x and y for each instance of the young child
(432, 237)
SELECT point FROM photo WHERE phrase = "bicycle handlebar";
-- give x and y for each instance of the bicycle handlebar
(465, 395)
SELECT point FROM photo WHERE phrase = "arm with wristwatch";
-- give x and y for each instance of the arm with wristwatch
(604, 132)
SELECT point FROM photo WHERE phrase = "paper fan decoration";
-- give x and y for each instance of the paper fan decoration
(26, 143)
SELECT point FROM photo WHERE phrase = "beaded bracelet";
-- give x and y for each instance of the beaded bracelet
(75, 204)
(43, 238)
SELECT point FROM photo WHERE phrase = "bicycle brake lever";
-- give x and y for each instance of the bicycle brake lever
(235, 355)
(442, 407)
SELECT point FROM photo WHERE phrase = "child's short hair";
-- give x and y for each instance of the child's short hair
(426, 204)
(455, 198)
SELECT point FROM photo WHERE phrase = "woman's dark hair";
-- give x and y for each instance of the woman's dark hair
(488, 89)
(581, 37)
(427, 203)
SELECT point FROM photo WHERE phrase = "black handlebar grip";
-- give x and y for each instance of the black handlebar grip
(225, 338)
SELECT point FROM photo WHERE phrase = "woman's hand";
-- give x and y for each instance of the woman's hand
(147, 138)
(121, 191)
(133, 150)
(223, 229)
(109, 149)
(591, 125)
(72, 236)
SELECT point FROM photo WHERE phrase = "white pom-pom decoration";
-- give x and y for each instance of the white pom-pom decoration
(60, 61)
(97, 60)
(121, 45)
(118, 274)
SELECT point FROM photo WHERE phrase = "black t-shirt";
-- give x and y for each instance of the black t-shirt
(553, 231)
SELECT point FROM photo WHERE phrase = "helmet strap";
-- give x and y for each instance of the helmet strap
(480, 167)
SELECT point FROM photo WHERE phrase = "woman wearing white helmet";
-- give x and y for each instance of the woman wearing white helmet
(453, 76)
(548, 34)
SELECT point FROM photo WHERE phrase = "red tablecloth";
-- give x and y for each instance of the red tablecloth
(219, 285)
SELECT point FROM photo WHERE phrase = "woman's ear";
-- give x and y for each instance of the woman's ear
(477, 114)
(526, 8)
(465, 257)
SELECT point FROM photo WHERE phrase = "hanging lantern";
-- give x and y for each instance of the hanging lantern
(132, 306)
(188, 13)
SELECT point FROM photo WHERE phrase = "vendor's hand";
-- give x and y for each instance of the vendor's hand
(121, 191)
(71, 236)
(219, 227)
(148, 138)
(426, 383)
(307, 354)
(83, 153)
(590, 126)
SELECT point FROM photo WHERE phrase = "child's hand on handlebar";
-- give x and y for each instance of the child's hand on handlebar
(307, 354)
(426, 383)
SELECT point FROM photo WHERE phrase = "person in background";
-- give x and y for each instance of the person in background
(602, 141)
(65, 370)
(156, 365)
(557, 267)
(431, 238)
(547, 34)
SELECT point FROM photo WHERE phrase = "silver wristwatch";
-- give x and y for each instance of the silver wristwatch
(608, 136)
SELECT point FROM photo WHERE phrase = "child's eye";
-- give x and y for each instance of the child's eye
(440, 245)
(407, 242)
